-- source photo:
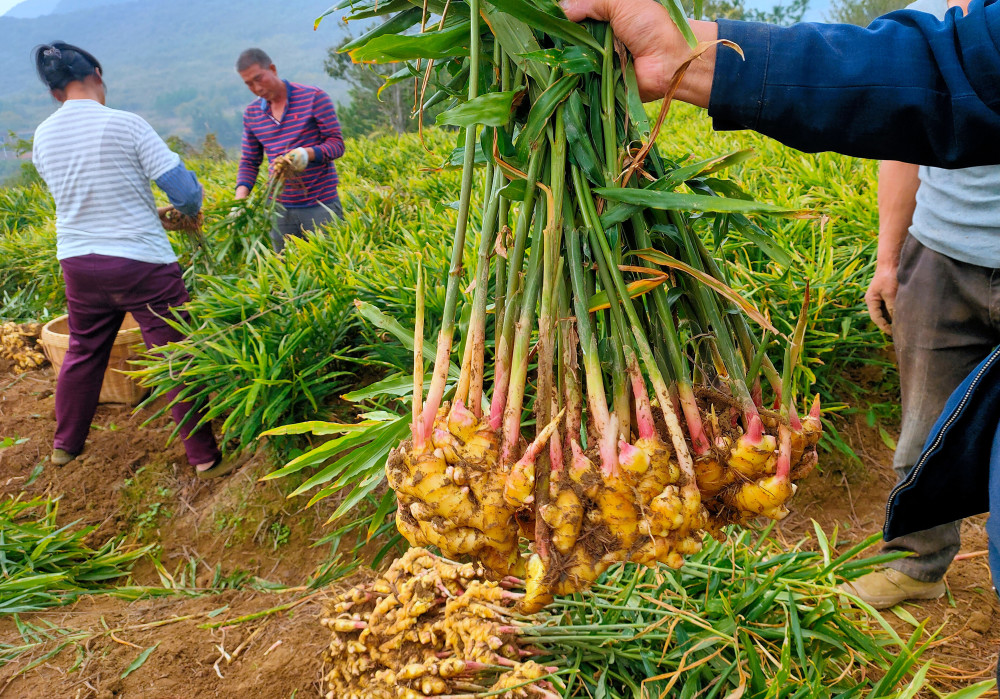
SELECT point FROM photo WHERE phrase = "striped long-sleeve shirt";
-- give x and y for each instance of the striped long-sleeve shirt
(309, 121)
(97, 163)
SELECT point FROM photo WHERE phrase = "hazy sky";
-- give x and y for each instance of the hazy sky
(816, 11)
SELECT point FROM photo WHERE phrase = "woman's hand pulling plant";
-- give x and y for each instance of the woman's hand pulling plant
(174, 220)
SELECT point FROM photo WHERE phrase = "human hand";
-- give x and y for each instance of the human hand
(174, 220)
(297, 158)
(656, 45)
(881, 297)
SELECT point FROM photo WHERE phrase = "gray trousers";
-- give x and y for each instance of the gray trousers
(947, 320)
(298, 220)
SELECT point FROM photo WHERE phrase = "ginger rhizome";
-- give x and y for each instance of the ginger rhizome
(430, 627)
(19, 344)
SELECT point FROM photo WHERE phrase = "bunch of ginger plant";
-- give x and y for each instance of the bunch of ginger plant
(586, 257)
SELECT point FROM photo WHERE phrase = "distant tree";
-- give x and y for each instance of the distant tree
(20, 146)
(781, 13)
(26, 173)
(862, 12)
(369, 112)
(211, 149)
(179, 146)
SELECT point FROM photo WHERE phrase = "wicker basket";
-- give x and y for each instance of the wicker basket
(117, 387)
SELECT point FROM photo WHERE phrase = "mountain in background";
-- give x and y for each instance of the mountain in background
(65, 6)
(172, 61)
(29, 9)
(32, 8)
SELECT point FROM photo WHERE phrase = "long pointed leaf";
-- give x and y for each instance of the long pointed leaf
(491, 109)
(695, 203)
(665, 260)
(549, 23)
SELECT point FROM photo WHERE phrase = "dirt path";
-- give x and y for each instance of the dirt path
(131, 482)
(276, 656)
(228, 531)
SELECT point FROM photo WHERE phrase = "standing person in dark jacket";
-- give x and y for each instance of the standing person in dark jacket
(938, 252)
(297, 123)
(116, 259)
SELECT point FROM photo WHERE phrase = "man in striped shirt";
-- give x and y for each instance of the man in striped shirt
(297, 123)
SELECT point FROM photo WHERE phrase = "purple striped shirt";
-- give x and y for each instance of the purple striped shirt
(309, 121)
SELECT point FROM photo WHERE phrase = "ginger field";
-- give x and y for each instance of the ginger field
(126, 576)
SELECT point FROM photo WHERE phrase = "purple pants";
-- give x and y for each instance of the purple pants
(100, 290)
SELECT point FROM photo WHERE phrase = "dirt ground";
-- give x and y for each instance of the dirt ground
(853, 497)
(131, 482)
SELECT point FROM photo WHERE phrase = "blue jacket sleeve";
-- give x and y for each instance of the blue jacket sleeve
(951, 479)
(182, 189)
(907, 87)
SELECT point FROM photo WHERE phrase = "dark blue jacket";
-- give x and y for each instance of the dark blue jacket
(950, 479)
(907, 87)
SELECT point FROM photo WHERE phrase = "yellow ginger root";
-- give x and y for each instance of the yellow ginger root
(660, 470)
(804, 441)
(755, 453)
(639, 506)
(449, 495)
(580, 573)
(18, 345)
(712, 475)
(427, 627)
(537, 593)
(525, 673)
(520, 484)
(431, 686)
(618, 511)
(564, 515)
(764, 497)
(658, 548)
(174, 220)
(582, 471)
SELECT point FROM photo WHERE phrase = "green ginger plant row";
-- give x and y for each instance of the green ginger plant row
(841, 188)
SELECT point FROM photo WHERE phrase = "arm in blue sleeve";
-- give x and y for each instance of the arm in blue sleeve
(907, 87)
(182, 189)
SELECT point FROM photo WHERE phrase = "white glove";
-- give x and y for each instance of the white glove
(298, 158)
